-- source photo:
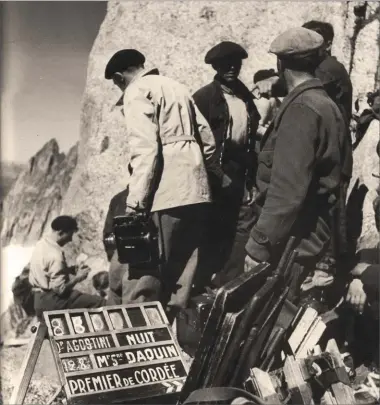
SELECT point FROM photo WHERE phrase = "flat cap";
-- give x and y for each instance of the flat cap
(224, 50)
(122, 60)
(296, 42)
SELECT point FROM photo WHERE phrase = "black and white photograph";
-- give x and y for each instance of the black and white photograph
(190, 202)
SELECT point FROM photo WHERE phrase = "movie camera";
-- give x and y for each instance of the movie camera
(135, 237)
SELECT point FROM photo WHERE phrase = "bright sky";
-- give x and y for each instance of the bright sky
(45, 48)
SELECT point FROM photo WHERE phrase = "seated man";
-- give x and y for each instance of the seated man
(22, 292)
(50, 276)
(364, 288)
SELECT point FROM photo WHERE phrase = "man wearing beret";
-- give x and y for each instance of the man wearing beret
(300, 162)
(168, 175)
(228, 106)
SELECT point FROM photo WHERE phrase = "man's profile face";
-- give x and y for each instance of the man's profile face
(119, 81)
(228, 69)
(66, 237)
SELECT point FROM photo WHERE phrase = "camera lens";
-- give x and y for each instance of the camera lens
(110, 241)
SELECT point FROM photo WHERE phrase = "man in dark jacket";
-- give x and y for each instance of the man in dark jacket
(117, 270)
(337, 84)
(334, 77)
(300, 162)
(331, 72)
(228, 107)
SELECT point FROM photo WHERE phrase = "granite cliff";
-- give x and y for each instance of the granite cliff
(9, 174)
(174, 36)
(36, 196)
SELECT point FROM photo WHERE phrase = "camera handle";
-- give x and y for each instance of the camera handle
(137, 209)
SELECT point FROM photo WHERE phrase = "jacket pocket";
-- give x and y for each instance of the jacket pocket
(265, 163)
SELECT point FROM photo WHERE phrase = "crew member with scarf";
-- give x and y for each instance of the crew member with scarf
(228, 106)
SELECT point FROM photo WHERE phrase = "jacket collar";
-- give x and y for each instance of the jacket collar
(239, 89)
(144, 72)
(307, 85)
(49, 239)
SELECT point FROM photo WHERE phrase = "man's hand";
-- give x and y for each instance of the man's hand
(263, 88)
(249, 263)
(252, 195)
(356, 295)
(82, 273)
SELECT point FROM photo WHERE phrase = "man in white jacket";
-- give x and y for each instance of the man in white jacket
(170, 146)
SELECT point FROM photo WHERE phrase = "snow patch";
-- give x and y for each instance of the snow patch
(13, 259)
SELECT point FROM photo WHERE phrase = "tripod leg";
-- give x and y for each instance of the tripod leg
(28, 365)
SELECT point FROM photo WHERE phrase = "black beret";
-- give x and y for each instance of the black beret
(122, 60)
(64, 223)
(223, 50)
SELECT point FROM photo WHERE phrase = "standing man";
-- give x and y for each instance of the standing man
(300, 163)
(336, 82)
(168, 178)
(331, 72)
(228, 107)
(116, 270)
(49, 274)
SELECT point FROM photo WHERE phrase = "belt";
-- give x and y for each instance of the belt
(180, 138)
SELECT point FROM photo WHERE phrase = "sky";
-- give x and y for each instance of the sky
(44, 52)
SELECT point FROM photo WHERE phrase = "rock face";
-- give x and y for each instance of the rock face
(175, 36)
(9, 174)
(36, 196)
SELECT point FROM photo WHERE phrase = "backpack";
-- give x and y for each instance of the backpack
(22, 292)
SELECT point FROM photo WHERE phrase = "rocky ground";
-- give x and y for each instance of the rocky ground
(45, 379)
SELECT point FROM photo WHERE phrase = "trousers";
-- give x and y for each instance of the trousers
(50, 301)
(230, 223)
(182, 232)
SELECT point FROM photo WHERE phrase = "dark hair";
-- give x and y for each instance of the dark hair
(100, 281)
(64, 223)
(306, 64)
(371, 97)
(263, 74)
(323, 28)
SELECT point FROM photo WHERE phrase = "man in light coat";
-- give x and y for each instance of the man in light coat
(170, 145)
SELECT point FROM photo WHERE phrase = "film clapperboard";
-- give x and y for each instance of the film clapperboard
(116, 354)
